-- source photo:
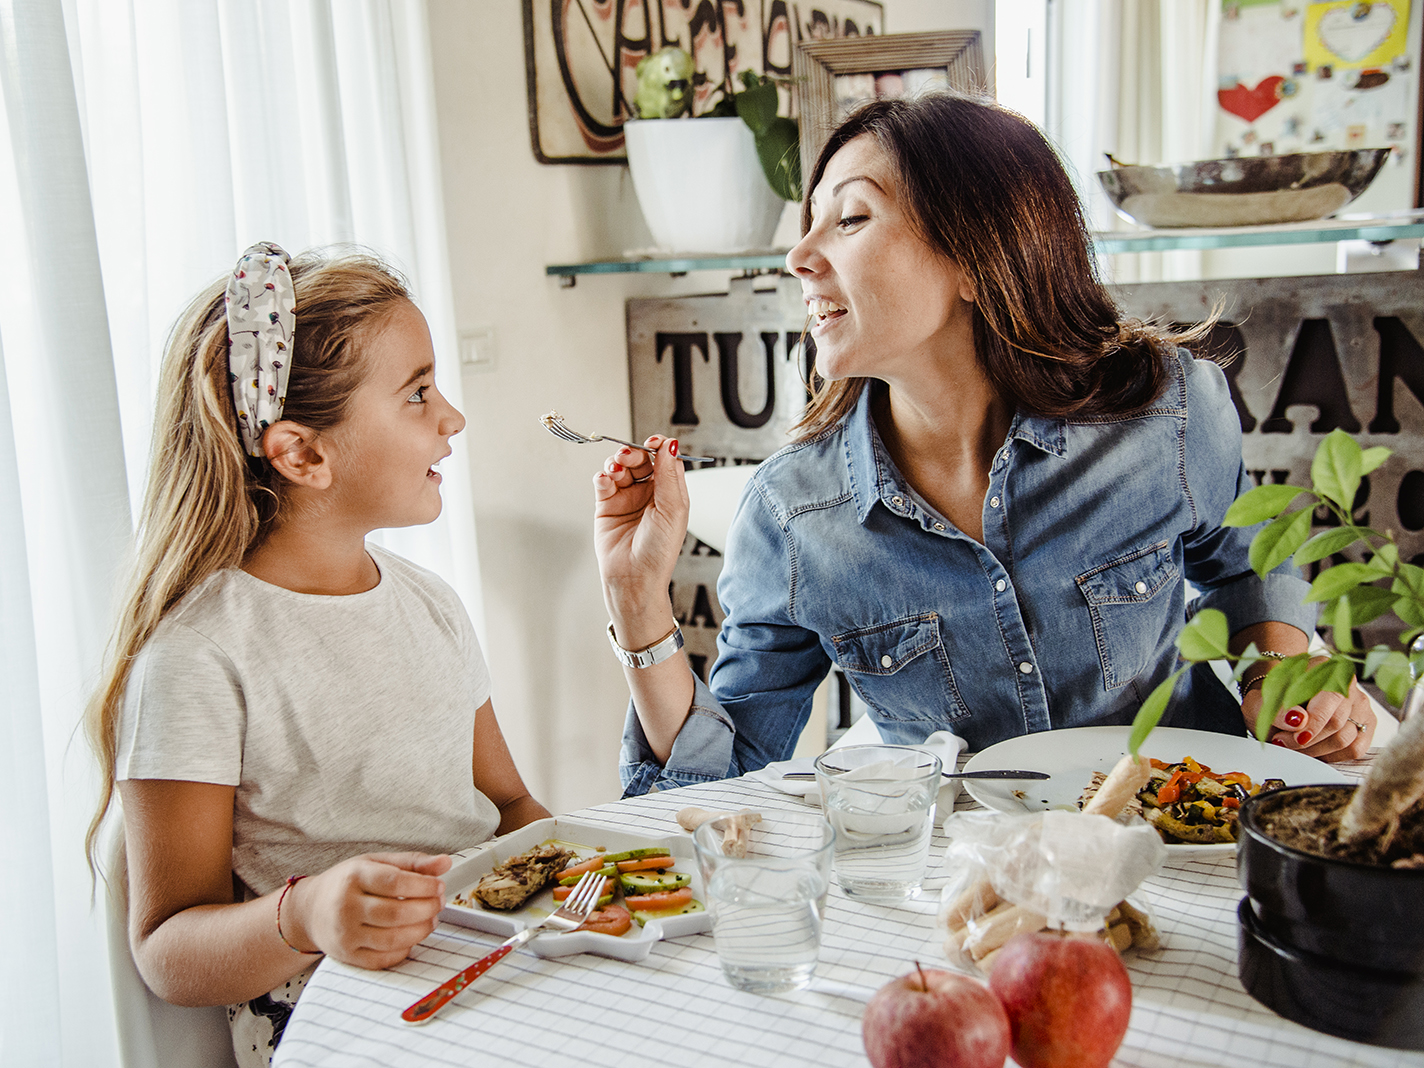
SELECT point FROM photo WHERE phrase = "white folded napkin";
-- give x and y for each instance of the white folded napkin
(942, 744)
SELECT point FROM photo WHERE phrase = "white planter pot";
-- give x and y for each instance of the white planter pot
(700, 184)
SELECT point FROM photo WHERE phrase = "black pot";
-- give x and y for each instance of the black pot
(1362, 1004)
(1362, 915)
(1334, 945)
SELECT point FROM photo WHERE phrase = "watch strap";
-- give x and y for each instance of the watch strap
(656, 653)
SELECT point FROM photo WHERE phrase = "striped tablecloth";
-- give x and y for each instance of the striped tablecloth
(675, 1007)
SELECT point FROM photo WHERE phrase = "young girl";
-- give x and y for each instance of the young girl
(298, 723)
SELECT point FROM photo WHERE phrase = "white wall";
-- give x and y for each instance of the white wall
(559, 693)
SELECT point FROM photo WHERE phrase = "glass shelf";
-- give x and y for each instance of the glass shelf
(1378, 228)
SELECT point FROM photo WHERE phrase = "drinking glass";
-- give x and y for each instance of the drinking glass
(880, 799)
(767, 907)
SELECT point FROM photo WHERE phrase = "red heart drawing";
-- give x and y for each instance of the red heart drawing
(1251, 104)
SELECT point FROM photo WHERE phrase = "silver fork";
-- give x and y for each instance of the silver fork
(577, 908)
(554, 424)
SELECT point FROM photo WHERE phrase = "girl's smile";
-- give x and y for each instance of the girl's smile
(398, 430)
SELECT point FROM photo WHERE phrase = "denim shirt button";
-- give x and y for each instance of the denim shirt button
(993, 502)
(886, 660)
(898, 502)
(1026, 668)
(1141, 587)
(1001, 585)
(1004, 455)
(939, 526)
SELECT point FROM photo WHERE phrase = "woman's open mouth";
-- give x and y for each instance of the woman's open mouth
(823, 310)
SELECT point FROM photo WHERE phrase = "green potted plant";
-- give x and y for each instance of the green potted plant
(717, 183)
(1334, 875)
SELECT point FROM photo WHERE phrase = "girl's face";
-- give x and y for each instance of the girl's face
(880, 298)
(396, 431)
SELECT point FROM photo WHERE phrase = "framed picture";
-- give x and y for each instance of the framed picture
(581, 58)
(832, 77)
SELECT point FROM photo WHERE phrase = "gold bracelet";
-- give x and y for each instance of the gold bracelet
(1262, 654)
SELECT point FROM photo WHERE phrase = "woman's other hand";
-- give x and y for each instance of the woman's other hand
(367, 911)
(640, 523)
(1329, 726)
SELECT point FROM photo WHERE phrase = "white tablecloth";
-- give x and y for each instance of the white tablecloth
(675, 1008)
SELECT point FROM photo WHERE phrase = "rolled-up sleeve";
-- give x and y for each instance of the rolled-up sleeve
(701, 752)
(1217, 558)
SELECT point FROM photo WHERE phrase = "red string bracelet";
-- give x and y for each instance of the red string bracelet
(292, 880)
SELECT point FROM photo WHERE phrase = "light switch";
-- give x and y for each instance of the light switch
(477, 348)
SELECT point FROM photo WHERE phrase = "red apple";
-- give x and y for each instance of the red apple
(935, 1019)
(1068, 999)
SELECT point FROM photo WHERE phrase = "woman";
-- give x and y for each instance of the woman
(999, 491)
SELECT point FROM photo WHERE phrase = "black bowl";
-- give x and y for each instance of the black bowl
(1381, 1008)
(1357, 914)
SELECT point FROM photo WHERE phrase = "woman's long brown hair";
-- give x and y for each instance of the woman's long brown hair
(985, 189)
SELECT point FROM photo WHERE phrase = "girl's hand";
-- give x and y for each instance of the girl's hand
(367, 911)
(639, 525)
(1329, 727)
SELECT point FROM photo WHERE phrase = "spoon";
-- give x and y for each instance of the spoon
(988, 774)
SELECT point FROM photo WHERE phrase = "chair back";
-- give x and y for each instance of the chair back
(153, 1033)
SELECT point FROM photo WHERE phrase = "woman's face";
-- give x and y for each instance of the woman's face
(881, 300)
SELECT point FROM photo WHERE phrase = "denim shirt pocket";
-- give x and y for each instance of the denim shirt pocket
(901, 669)
(1127, 612)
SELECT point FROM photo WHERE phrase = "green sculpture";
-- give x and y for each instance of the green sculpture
(664, 84)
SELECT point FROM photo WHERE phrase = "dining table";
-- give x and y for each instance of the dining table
(676, 1008)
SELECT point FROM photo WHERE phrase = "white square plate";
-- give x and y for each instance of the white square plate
(587, 839)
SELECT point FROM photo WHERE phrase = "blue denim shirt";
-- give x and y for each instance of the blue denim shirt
(1065, 616)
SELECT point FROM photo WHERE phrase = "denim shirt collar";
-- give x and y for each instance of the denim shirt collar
(874, 476)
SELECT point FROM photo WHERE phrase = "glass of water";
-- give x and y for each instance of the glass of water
(880, 799)
(768, 906)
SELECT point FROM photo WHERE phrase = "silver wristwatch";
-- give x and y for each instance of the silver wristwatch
(653, 654)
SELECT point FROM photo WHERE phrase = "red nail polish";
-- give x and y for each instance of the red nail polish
(673, 447)
(1294, 718)
(617, 468)
(1280, 740)
(1303, 738)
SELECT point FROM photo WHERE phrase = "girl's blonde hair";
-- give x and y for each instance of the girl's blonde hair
(207, 504)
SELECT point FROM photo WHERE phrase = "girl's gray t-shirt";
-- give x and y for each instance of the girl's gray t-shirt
(346, 724)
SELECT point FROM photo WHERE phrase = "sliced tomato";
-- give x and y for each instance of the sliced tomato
(644, 863)
(579, 869)
(658, 902)
(609, 920)
(561, 892)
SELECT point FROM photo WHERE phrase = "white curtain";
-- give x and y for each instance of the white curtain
(143, 145)
(1137, 79)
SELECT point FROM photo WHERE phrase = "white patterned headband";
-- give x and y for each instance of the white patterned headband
(261, 325)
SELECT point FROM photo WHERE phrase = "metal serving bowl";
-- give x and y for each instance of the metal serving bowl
(1243, 191)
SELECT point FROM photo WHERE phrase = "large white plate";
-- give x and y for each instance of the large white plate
(587, 839)
(1071, 756)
